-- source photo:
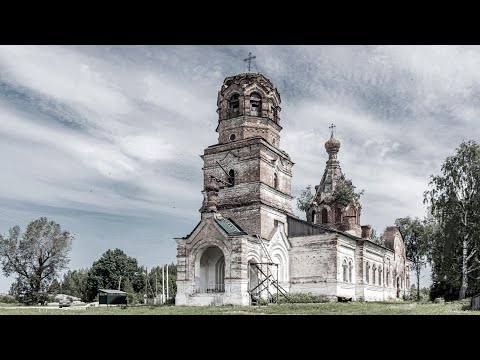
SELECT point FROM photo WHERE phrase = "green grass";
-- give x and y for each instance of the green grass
(331, 308)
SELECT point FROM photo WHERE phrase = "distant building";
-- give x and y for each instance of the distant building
(112, 297)
(247, 197)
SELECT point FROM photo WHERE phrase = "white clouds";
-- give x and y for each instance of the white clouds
(64, 75)
(147, 147)
(146, 113)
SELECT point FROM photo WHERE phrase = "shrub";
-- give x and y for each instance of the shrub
(7, 299)
(303, 298)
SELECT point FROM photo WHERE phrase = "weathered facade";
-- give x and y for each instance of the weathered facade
(247, 219)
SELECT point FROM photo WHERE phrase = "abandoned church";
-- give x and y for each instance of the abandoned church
(249, 244)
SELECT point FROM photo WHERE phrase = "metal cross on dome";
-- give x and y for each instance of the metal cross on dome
(249, 59)
(332, 128)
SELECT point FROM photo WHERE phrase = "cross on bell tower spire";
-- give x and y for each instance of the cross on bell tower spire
(248, 60)
(332, 128)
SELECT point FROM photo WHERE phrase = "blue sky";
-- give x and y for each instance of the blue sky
(106, 140)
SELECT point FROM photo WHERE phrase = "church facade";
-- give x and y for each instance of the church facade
(249, 244)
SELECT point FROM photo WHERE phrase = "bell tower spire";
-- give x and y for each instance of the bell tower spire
(325, 209)
(252, 173)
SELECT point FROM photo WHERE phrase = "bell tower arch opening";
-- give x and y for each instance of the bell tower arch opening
(255, 104)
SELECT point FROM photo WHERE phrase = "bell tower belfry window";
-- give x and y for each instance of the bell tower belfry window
(255, 104)
(234, 105)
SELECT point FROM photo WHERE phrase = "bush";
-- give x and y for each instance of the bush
(303, 298)
(7, 299)
(170, 301)
(439, 300)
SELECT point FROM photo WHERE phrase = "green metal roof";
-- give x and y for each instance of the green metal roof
(109, 291)
(229, 226)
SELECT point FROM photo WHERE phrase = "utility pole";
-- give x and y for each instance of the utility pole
(167, 281)
(146, 284)
(156, 288)
(163, 284)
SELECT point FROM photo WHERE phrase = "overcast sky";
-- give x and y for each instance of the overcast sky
(105, 140)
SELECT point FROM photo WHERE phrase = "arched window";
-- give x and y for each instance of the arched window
(387, 279)
(367, 270)
(255, 104)
(345, 279)
(374, 269)
(350, 270)
(234, 104)
(380, 275)
(275, 181)
(231, 178)
(338, 215)
(351, 212)
(314, 217)
(324, 216)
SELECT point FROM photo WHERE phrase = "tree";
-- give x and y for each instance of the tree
(413, 231)
(74, 283)
(375, 238)
(54, 287)
(345, 194)
(111, 271)
(132, 297)
(454, 199)
(172, 280)
(305, 199)
(36, 257)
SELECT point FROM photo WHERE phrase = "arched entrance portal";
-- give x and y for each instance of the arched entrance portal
(212, 270)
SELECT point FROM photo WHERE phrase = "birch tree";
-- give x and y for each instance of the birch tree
(454, 197)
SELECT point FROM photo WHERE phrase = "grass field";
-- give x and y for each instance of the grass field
(331, 308)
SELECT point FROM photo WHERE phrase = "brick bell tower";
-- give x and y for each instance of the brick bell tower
(247, 177)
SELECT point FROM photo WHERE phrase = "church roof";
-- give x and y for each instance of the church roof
(229, 226)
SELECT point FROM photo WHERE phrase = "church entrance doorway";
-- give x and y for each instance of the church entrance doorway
(212, 271)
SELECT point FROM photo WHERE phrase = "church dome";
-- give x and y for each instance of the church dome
(332, 144)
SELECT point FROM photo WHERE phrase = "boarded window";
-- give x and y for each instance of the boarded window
(350, 270)
(324, 216)
(367, 269)
(338, 215)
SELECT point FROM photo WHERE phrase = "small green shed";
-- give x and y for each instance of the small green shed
(112, 297)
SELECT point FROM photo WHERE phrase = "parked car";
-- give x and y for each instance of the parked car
(64, 303)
